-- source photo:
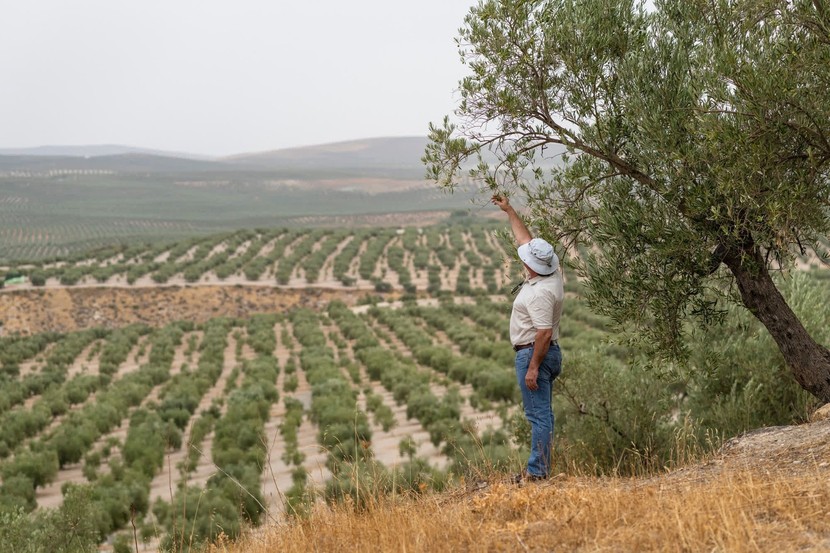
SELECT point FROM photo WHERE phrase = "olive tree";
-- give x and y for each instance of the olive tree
(694, 144)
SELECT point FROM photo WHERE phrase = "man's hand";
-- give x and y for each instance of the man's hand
(530, 379)
(501, 201)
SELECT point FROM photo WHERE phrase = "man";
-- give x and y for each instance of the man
(534, 332)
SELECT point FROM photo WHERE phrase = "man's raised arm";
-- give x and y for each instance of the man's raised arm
(520, 231)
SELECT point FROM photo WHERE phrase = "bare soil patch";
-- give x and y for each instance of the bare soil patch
(69, 309)
(790, 450)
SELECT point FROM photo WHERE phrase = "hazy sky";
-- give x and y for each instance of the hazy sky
(224, 76)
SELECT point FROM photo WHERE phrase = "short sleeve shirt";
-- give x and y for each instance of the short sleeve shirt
(538, 305)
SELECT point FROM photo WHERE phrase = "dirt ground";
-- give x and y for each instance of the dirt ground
(69, 309)
(789, 449)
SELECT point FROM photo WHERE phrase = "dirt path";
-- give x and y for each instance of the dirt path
(181, 357)
(241, 250)
(169, 476)
(422, 302)
(276, 476)
(81, 364)
(354, 266)
(34, 364)
(137, 356)
(327, 277)
(315, 456)
(476, 273)
(188, 256)
(268, 247)
(382, 269)
(86, 363)
(205, 467)
(162, 257)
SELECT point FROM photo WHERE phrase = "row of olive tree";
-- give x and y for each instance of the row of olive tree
(487, 372)
(403, 380)
(38, 463)
(238, 442)
(300, 250)
(56, 394)
(470, 453)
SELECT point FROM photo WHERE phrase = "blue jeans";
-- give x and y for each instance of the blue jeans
(538, 408)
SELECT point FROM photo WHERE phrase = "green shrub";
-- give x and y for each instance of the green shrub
(72, 528)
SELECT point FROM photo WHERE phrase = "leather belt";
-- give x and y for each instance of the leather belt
(530, 345)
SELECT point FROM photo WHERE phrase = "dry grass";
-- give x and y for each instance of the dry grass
(735, 510)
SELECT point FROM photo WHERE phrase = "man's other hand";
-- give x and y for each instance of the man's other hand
(530, 379)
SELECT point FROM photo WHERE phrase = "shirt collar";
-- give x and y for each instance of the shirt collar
(537, 278)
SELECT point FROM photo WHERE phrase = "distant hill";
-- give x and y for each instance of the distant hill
(384, 157)
(54, 205)
(389, 158)
(388, 151)
(398, 157)
(94, 151)
(119, 163)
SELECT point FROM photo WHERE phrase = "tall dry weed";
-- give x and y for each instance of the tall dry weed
(697, 510)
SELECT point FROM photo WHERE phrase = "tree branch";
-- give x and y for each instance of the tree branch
(716, 259)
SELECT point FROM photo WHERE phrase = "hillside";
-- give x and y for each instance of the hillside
(283, 401)
(768, 490)
(460, 257)
(87, 151)
(401, 154)
(233, 381)
(56, 205)
(389, 157)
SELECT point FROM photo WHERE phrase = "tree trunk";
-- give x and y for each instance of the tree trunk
(808, 360)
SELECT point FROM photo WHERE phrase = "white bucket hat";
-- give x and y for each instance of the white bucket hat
(539, 256)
